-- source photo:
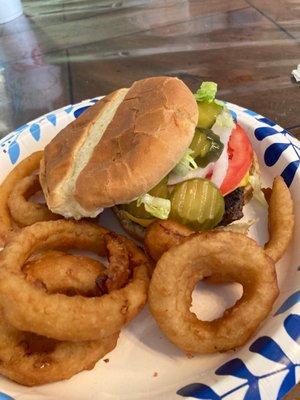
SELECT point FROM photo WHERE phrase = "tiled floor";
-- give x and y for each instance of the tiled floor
(61, 52)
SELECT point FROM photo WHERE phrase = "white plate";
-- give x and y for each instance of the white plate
(145, 365)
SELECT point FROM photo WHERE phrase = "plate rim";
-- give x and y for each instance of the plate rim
(262, 123)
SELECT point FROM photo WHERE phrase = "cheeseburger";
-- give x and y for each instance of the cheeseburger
(152, 151)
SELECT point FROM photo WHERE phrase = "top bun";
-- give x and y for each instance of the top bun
(119, 148)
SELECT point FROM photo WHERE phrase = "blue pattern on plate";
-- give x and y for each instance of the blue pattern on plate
(289, 172)
(267, 121)
(10, 143)
(250, 112)
(267, 129)
(4, 396)
(265, 347)
(69, 109)
(289, 302)
(22, 128)
(234, 116)
(263, 132)
(198, 391)
(273, 153)
(292, 326)
(80, 110)
(275, 150)
(35, 131)
(51, 118)
(14, 151)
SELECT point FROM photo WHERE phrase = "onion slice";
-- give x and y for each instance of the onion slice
(196, 173)
(223, 128)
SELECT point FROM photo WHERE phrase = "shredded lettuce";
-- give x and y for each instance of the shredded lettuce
(220, 103)
(197, 173)
(186, 164)
(224, 120)
(207, 92)
(255, 182)
(156, 206)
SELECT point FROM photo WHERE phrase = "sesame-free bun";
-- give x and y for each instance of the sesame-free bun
(119, 148)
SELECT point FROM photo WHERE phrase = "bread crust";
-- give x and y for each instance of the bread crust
(149, 132)
(151, 129)
(59, 155)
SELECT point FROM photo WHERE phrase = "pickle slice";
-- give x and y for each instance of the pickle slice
(198, 204)
(200, 143)
(208, 113)
(160, 190)
(207, 147)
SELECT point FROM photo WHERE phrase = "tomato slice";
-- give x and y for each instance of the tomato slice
(240, 157)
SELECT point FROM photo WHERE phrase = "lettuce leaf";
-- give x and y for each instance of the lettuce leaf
(223, 128)
(156, 206)
(220, 103)
(223, 120)
(186, 164)
(255, 182)
(207, 92)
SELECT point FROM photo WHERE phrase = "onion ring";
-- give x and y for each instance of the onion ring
(52, 361)
(281, 219)
(221, 257)
(74, 318)
(162, 235)
(23, 211)
(33, 360)
(24, 168)
(118, 271)
(59, 272)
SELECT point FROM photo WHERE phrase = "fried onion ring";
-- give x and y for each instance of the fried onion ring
(281, 219)
(221, 257)
(26, 212)
(162, 235)
(33, 360)
(74, 318)
(118, 271)
(59, 272)
(24, 168)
